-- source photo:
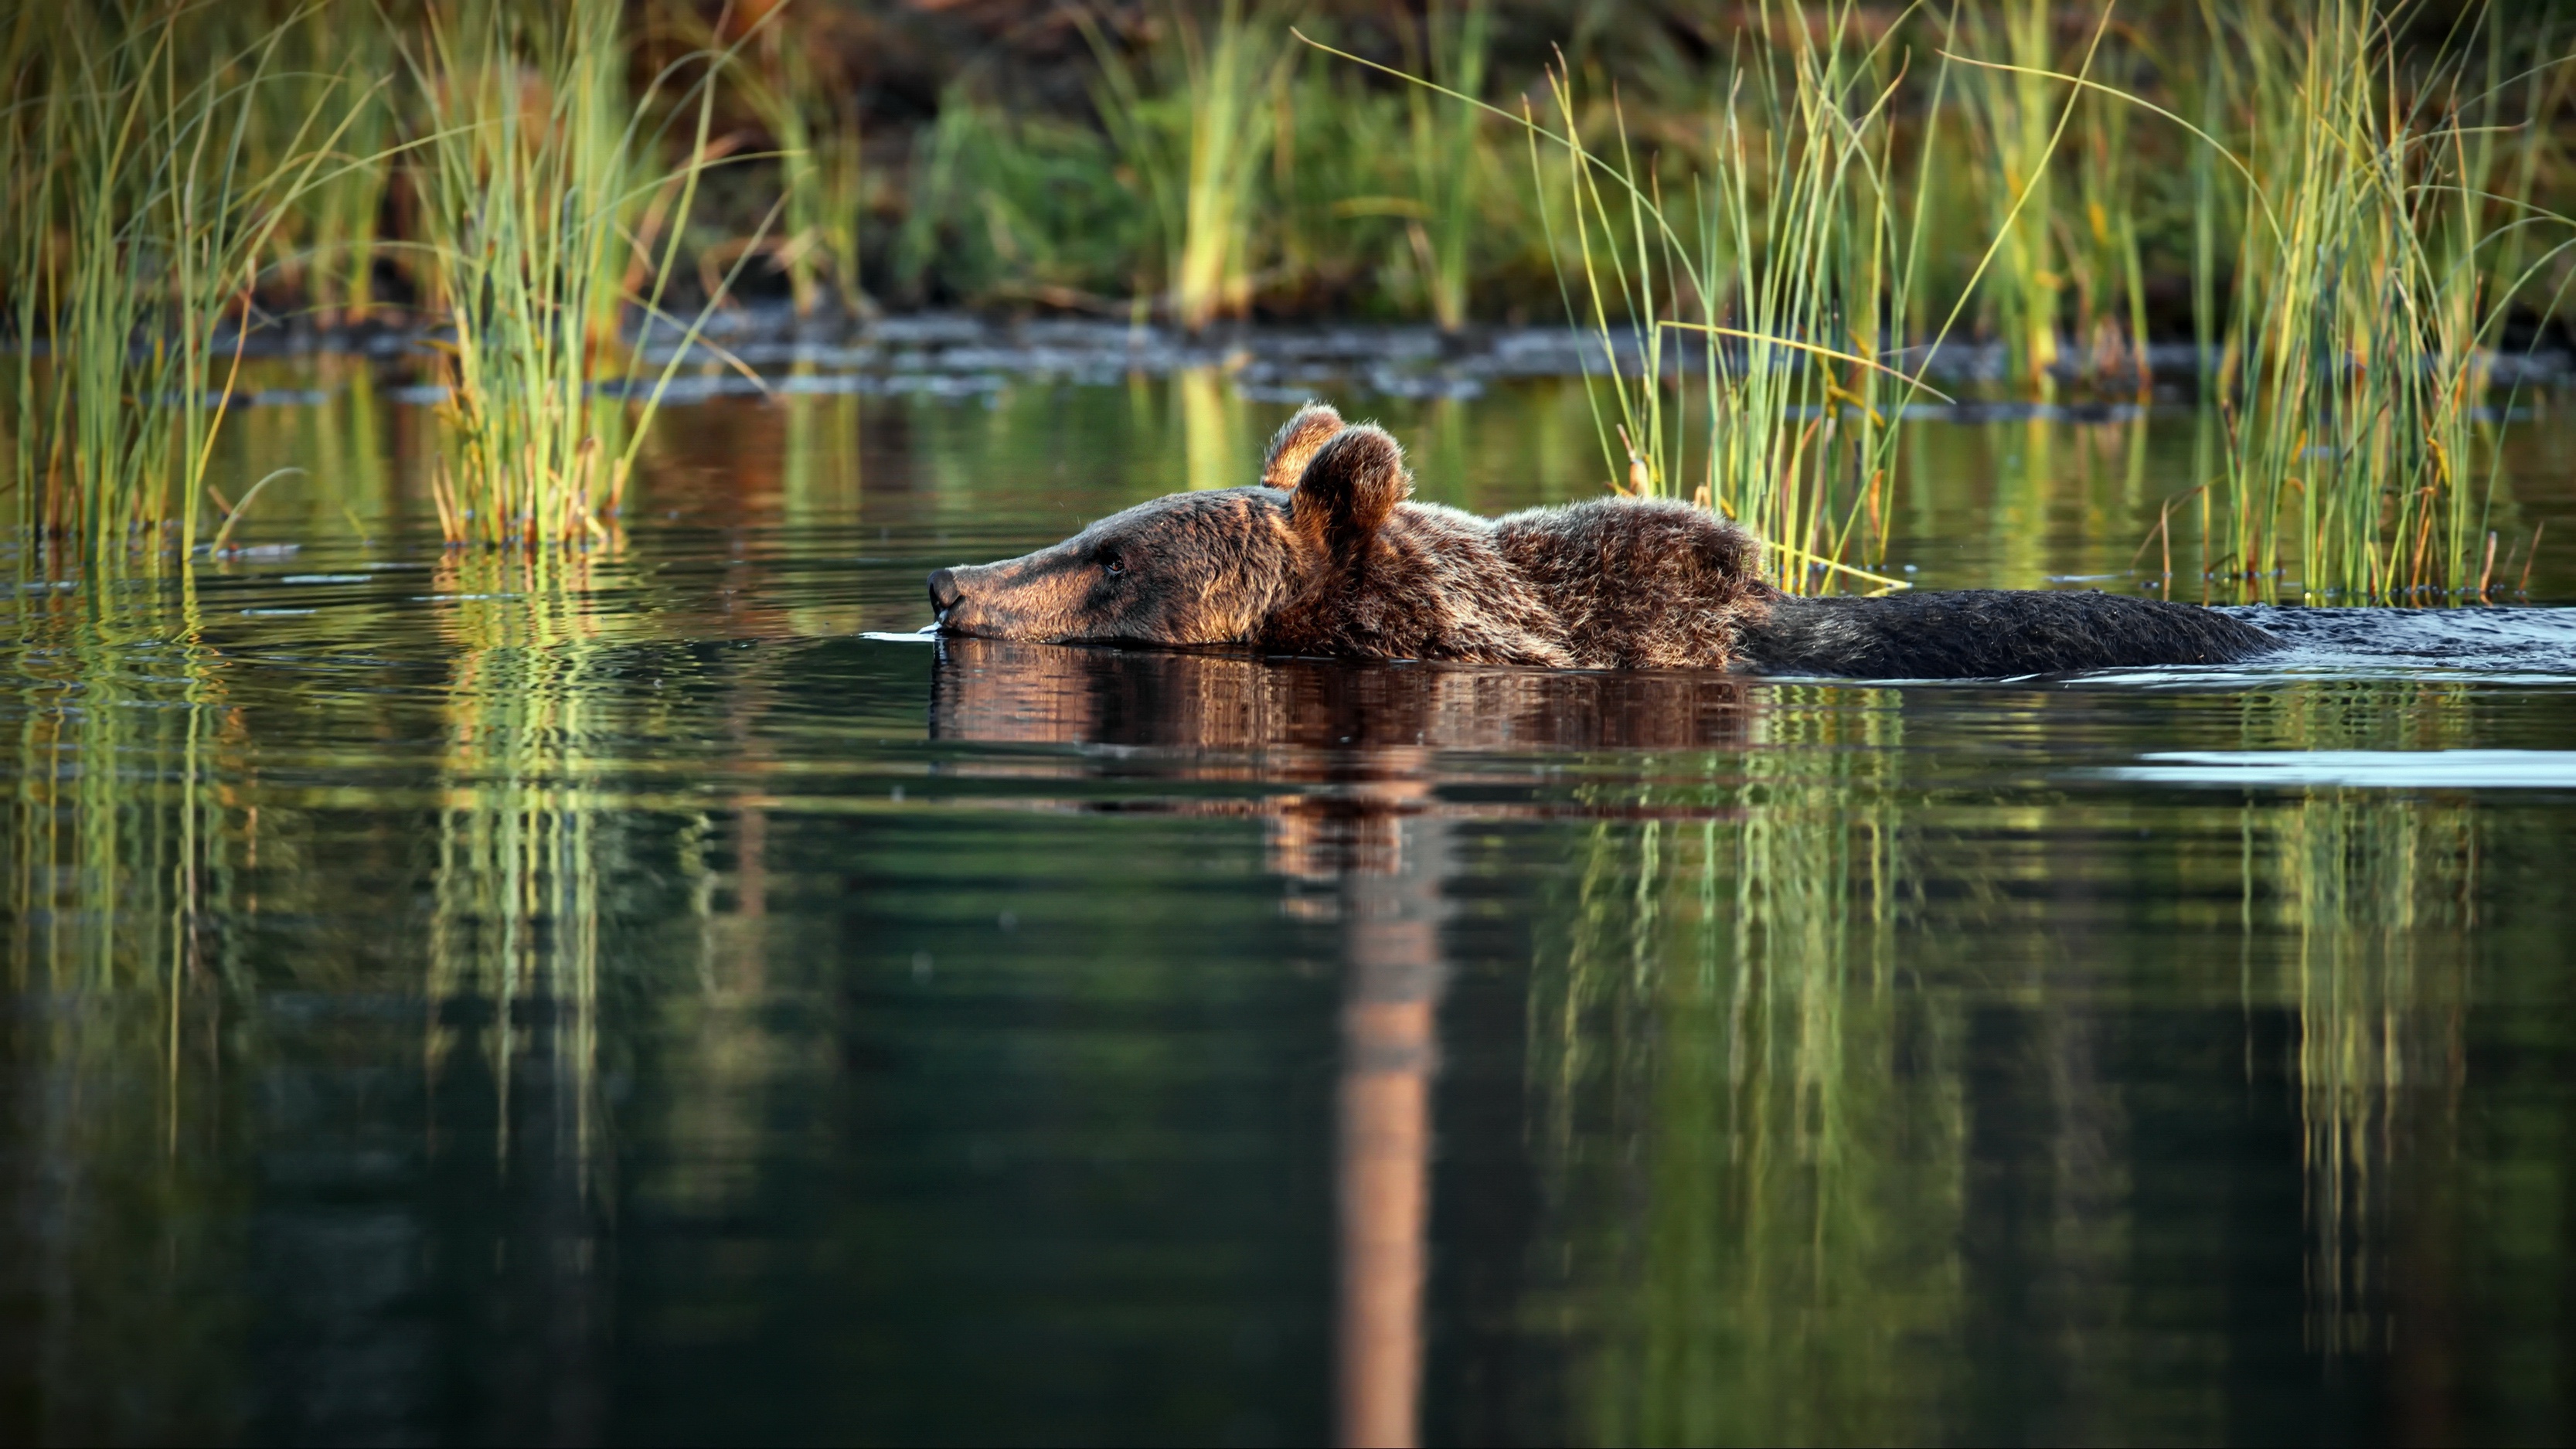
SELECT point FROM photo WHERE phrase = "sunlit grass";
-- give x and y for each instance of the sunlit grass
(2357, 466)
(1448, 150)
(1783, 275)
(1196, 126)
(2017, 119)
(1767, 242)
(154, 156)
(533, 171)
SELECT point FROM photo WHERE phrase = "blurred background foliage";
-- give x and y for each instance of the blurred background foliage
(1191, 159)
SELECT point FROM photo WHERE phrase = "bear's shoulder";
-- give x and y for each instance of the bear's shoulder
(1626, 535)
(1639, 582)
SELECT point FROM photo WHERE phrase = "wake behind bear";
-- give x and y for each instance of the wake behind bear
(1328, 556)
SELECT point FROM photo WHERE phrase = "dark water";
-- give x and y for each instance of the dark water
(450, 1004)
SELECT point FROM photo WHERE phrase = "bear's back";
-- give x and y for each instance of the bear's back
(1638, 583)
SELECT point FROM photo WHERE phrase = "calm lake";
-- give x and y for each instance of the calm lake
(445, 1004)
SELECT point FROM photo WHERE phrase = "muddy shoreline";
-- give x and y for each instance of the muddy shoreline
(963, 356)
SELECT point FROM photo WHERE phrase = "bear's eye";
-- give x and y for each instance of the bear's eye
(1111, 562)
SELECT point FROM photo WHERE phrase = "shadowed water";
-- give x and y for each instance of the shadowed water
(445, 1002)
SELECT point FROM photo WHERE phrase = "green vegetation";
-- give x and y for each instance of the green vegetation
(1787, 292)
(2353, 376)
(154, 154)
(2353, 380)
(1772, 222)
(1768, 1051)
(173, 176)
(534, 180)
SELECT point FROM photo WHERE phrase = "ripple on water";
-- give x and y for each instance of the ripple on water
(2360, 769)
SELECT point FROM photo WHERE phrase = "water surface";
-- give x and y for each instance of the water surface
(446, 1002)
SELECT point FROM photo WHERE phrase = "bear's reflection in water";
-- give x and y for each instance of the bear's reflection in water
(1352, 756)
(1069, 694)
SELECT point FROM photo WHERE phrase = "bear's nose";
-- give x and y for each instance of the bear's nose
(943, 591)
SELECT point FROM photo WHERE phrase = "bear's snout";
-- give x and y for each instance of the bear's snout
(944, 592)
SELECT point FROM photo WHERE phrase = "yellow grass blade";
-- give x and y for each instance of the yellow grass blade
(1907, 378)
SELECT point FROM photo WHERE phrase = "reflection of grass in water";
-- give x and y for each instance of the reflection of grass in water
(1783, 1262)
(1214, 438)
(517, 897)
(819, 486)
(2377, 888)
(1761, 1143)
(115, 831)
(118, 855)
(528, 841)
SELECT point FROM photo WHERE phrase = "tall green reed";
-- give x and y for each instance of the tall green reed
(325, 253)
(534, 175)
(140, 209)
(1197, 128)
(1445, 152)
(2015, 124)
(1787, 272)
(792, 86)
(2105, 263)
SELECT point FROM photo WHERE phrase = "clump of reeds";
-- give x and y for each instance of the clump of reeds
(154, 155)
(1197, 129)
(793, 84)
(2015, 122)
(2352, 379)
(534, 176)
(1445, 152)
(1780, 277)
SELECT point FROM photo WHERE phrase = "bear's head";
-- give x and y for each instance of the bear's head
(1190, 568)
(1195, 568)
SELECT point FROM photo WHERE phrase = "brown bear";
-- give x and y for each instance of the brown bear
(1327, 556)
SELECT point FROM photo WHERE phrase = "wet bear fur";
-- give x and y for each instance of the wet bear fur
(1328, 556)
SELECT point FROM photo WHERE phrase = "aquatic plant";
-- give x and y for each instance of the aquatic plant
(2017, 124)
(792, 83)
(325, 250)
(1196, 128)
(1782, 279)
(1446, 148)
(2353, 375)
(137, 219)
(534, 174)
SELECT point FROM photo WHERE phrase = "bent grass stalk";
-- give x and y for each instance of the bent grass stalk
(1801, 457)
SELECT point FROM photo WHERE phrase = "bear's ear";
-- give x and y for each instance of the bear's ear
(1294, 445)
(1350, 490)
